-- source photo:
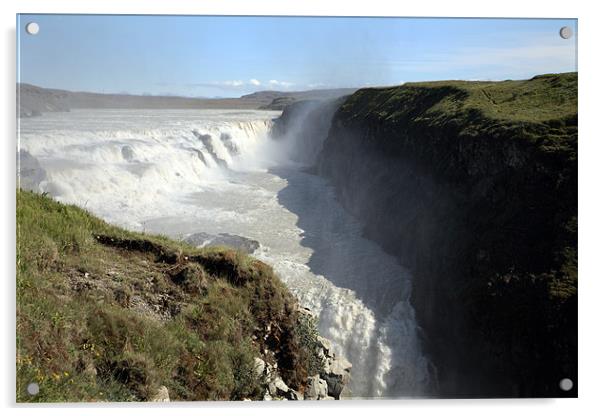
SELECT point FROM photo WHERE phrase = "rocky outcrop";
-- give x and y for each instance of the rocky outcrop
(223, 239)
(328, 384)
(207, 141)
(162, 395)
(317, 388)
(229, 144)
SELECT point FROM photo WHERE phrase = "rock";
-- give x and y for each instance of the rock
(229, 144)
(127, 153)
(322, 356)
(340, 366)
(281, 385)
(316, 388)
(278, 387)
(326, 346)
(259, 367)
(337, 372)
(208, 142)
(328, 398)
(335, 385)
(269, 370)
(305, 311)
(162, 395)
(223, 239)
(200, 155)
(294, 395)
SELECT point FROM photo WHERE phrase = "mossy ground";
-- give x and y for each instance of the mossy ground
(104, 314)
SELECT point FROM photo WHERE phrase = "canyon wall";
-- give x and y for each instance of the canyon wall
(473, 187)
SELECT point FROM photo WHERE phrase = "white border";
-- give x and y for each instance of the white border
(590, 207)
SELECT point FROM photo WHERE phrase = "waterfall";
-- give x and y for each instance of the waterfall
(219, 171)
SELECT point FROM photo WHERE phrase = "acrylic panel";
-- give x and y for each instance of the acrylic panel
(295, 208)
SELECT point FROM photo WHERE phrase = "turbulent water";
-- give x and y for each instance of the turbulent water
(180, 172)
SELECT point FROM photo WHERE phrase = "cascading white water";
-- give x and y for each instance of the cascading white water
(180, 172)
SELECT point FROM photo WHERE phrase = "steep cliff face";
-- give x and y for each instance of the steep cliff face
(473, 186)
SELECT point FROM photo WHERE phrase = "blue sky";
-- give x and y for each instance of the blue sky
(230, 56)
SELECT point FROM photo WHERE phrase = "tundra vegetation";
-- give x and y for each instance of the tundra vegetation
(104, 314)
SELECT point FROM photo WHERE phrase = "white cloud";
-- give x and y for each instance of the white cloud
(240, 86)
(276, 83)
(234, 83)
(253, 82)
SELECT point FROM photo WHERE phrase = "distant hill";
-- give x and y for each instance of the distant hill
(279, 99)
(33, 100)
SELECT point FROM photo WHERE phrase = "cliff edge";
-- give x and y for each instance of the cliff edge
(473, 186)
(104, 314)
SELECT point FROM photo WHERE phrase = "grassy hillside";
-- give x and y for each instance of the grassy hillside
(541, 111)
(540, 99)
(109, 315)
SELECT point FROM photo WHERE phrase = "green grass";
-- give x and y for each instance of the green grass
(541, 111)
(113, 320)
(540, 99)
